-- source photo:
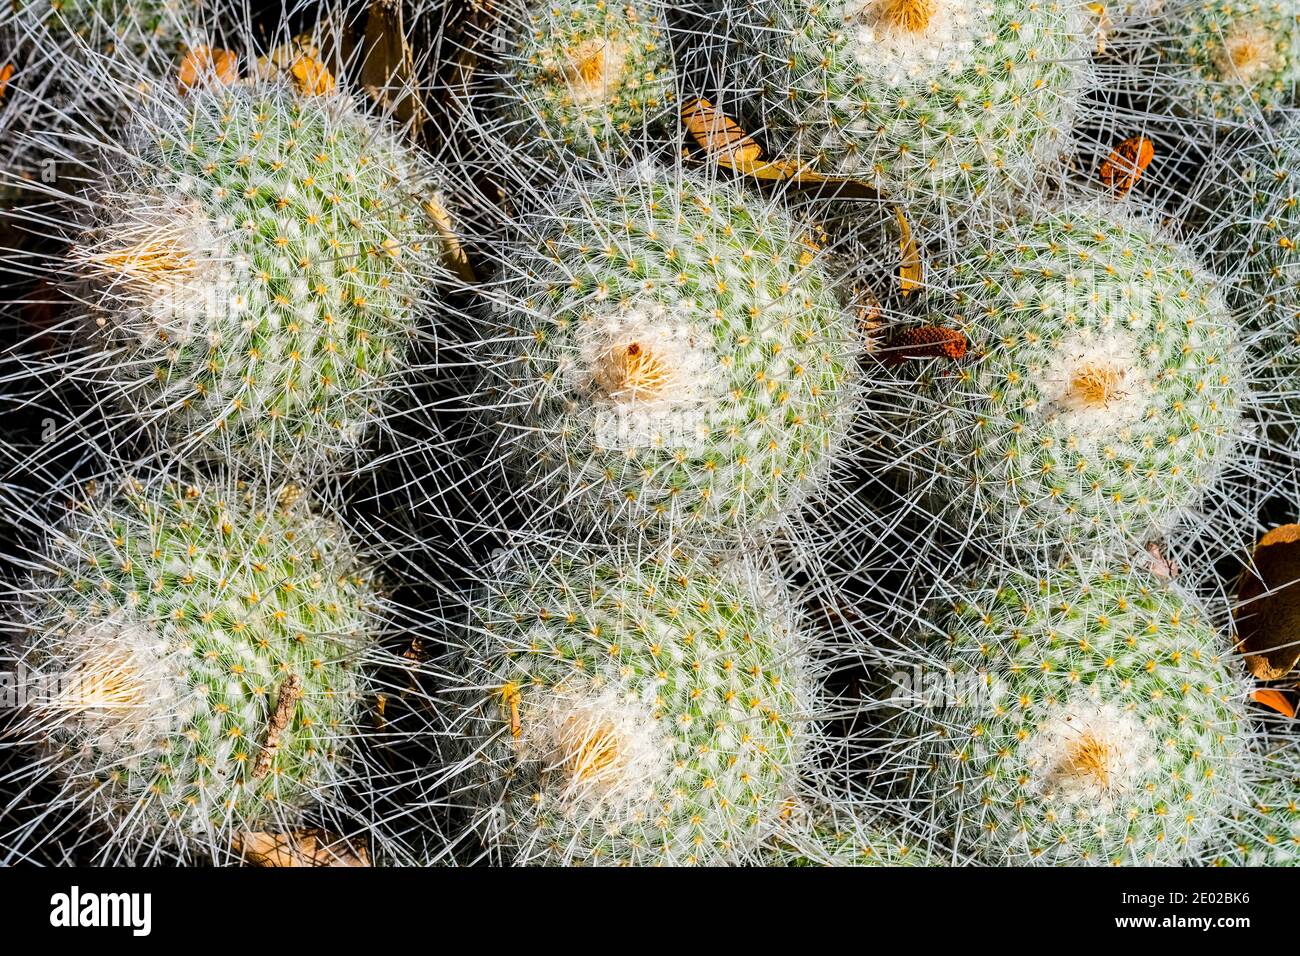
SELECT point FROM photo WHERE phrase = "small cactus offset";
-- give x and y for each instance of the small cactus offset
(257, 277)
(1229, 59)
(1103, 390)
(584, 77)
(198, 651)
(923, 99)
(629, 709)
(677, 359)
(1086, 718)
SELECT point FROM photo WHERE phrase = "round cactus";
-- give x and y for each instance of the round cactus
(256, 275)
(1102, 392)
(924, 99)
(676, 359)
(1086, 718)
(1267, 831)
(630, 710)
(585, 76)
(196, 655)
(1230, 58)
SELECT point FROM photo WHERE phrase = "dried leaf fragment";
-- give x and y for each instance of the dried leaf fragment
(1127, 162)
(909, 268)
(308, 848)
(727, 143)
(1274, 700)
(300, 61)
(203, 65)
(6, 74)
(1268, 605)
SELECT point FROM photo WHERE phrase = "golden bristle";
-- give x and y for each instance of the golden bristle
(1089, 758)
(632, 373)
(151, 261)
(106, 683)
(592, 752)
(1096, 386)
(911, 15)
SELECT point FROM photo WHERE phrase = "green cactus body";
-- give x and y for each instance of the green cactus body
(136, 25)
(1258, 226)
(259, 273)
(682, 363)
(926, 99)
(1232, 58)
(1086, 719)
(1103, 391)
(586, 76)
(1267, 831)
(837, 839)
(197, 648)
(630, 711)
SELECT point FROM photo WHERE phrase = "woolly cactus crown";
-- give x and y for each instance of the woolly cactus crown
(198, 649)
(676, 359)
(259, 273)
(925, 99)
(1089, 718)
(630, 709)
(1104, 390)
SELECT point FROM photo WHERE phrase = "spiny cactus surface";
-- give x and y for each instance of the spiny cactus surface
(258, 274)
(630, 710)
(678, 359)
(925, 99)
(1087, 718)
(1104, 388)
(197, 651)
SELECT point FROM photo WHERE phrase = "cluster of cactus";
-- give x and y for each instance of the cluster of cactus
(786, 452)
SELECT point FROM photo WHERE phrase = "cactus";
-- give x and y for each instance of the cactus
(137, 26)
(1087, 718)
(1267, 831)
(675, 359)
(257, 276)
(1230, 59)
(835, 836)
(924, 99)
(1255, 225)
(624, 709)
(583, 77)
(197, 653)
(1104, 391)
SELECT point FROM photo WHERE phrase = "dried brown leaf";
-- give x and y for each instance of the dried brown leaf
(1268, 608)
(305, 848)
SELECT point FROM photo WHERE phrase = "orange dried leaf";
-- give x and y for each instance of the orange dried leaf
(207, 65)
(1268, 605)
(909, 269)
(6, 74)
(930, 341)
(1274, 700)
(719, 135)
(1126, 164)
(310, 76)
(301, 848)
